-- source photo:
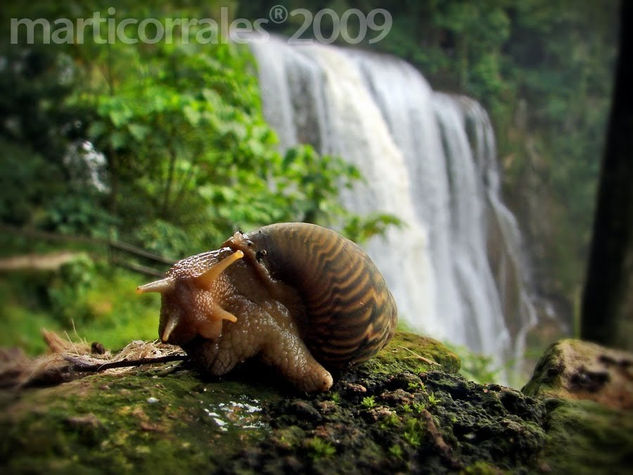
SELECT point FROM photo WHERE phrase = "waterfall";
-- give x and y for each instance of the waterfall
(429, 158)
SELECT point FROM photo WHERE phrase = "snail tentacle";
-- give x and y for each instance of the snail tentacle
(160, 286)
(207, 278)
(169, 327)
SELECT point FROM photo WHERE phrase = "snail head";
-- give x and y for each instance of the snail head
(191, 298)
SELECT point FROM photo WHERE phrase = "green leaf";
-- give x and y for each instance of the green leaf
(139, 131)
(120, 116)
(192, 115)
(118, 139)
(211, 96)
(96, 129)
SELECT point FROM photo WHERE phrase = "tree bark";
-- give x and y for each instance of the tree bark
(607, 311)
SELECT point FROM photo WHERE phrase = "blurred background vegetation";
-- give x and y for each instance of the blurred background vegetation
(164, 146)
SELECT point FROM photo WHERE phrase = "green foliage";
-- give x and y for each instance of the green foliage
(390, 421)
(67, 291)
(308, 189)
(362, 228)
(476, 366)
(85, 300)
(22, 182)
(163, 237)
(185, 137)
(40, 133)
(189, 157)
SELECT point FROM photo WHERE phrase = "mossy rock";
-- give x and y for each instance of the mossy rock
(151, 420)
(585, 437)
(403, 411)
(580, 370)
(414, 353)
(588, 390)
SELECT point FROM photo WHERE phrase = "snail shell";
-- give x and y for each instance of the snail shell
(301, 296)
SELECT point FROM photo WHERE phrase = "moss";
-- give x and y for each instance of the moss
(141, 421)
(381, 416)
(320, 448)
(547, 373)
(587, 437)
(481, 468)
(467, 424)
(414, 431)
(368, 401)
(413, 353)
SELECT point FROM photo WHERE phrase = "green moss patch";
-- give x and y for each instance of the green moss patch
(414, 353)
(586, 438)
(144, 421)
(393, 413)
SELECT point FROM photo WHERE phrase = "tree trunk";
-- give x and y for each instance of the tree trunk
(607, 312)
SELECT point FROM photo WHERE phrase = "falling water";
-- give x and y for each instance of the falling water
(429, 158)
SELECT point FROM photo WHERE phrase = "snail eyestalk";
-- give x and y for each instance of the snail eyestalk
(211, 327)
(205, 280)
(221, 314)
(160, 286)
(169, 327)
(202, 312)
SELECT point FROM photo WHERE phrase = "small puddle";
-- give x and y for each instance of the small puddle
(235, 414)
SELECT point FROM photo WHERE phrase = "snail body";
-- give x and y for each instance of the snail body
(301, 296)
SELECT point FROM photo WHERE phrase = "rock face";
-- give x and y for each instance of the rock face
(574, 369)
(407, 410)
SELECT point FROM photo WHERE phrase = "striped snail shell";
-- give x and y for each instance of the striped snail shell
(301, 296)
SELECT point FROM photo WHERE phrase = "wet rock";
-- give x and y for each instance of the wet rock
(397, 397)
(301, 409)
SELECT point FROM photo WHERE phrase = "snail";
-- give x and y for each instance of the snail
(301, 296)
